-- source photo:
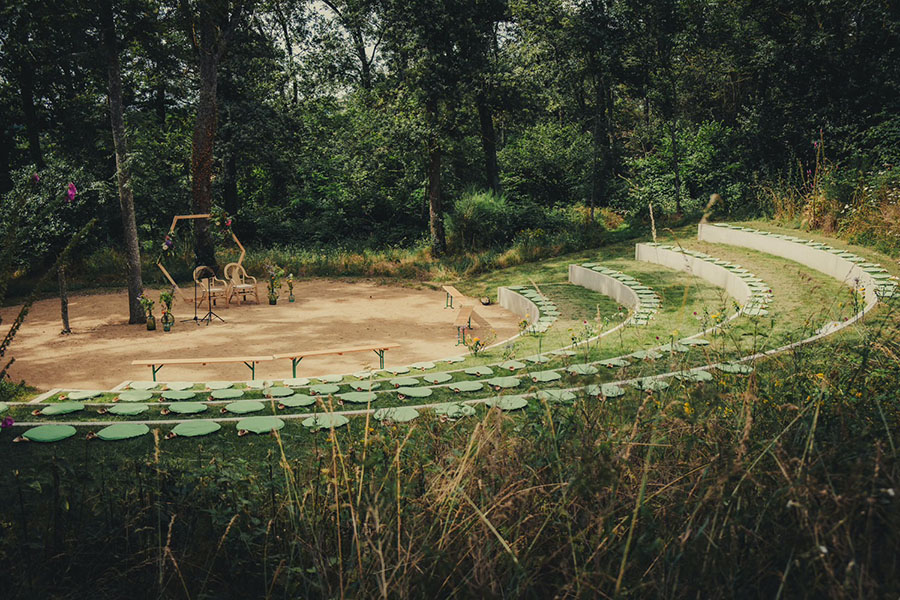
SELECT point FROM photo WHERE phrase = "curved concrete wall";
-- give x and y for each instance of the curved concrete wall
(823, 261)
(604, 284)
(717, 275)
(518, 304)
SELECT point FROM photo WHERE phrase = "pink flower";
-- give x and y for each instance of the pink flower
(71, 192)
(7, 423)
(228, 222)
(35, 178)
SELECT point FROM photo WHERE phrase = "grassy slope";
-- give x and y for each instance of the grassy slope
(654, 495)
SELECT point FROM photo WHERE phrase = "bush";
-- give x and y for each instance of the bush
(708, 164)
(480, 220)
(546, 165)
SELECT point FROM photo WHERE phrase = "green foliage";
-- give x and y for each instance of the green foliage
(481, 220)
(43, 219)
(546, 165)
(709, 163)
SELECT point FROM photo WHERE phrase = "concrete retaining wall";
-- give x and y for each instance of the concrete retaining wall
(715, 274)
(821, 260)
(604, 284)
(518, 304)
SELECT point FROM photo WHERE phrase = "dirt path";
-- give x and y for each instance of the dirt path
(327, 314)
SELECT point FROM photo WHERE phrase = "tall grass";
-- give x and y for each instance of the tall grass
(780, 484)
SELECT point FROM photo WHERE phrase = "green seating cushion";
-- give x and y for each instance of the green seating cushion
(196, 428)
(122, 431)
(260, 424)
(49, 433)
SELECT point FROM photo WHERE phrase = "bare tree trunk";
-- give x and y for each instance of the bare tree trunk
(435, 208)
(673, 138)
(365, 66)
(489, 144)
(63, 299)
(123, 170)
(202, 153)
(32, 128)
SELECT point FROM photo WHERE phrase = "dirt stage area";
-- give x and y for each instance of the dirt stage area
(327, 314)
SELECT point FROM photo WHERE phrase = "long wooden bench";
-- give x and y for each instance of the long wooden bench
(249, 361)
(451, 293)
(296, 357)
(464, 319)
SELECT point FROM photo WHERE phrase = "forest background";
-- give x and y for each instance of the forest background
(451, 125)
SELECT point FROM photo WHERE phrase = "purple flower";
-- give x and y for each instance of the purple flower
(71, 192)
(35, 178)
(168, 243)
(7, 423)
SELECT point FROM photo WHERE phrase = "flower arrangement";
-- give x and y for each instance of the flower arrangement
(290, 284)
(220, 218)
(276, 274)
(166, 297)
(476, 344)
(147, 303)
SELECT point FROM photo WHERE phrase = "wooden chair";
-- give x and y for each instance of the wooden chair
(242, 285)
(212, 285)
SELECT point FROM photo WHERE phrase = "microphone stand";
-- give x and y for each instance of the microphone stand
(195, 319)
(208, 317)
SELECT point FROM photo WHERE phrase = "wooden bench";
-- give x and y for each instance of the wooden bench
(296, 357)
(157, 364)
(451, 293)
(464, 320)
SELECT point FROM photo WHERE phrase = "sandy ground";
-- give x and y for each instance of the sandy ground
(327, 314)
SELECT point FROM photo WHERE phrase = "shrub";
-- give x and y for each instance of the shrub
(480, 220)
(708, 163)
(546, 165)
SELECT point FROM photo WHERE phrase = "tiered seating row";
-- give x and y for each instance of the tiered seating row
(749, 291)
(622, 288)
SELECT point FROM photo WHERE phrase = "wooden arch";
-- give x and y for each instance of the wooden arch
(172, 230)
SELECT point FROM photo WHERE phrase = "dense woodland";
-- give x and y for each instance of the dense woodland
(385, 123)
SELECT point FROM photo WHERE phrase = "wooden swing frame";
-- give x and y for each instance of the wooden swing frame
(171, 231)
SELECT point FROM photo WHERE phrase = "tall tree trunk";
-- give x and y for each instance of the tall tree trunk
(601, 145)
(159, 99)
(32, 127)
(365, 67)
(489, 144)
(230, 192)
(289, 46)
(435, 208)
(673, 139)
(63, 298)
(202, 153)
(6, 144)
(123, 168)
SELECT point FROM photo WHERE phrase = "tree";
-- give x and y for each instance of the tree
(136, 313)
(210, 24)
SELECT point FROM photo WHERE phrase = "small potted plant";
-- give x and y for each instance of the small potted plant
(276, 274)
(290, 284)
(168, 319)
(147, 303)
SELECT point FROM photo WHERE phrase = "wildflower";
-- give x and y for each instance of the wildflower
(7, 423)
(71, 192)
(228, 222)
(35, 178)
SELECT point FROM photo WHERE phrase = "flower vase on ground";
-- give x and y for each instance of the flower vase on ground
(291, 298)
(273, 299)
(147, 305)
(168, 319)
